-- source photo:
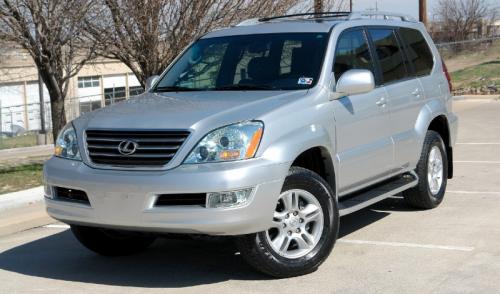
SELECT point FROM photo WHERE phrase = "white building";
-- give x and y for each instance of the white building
(99, 83)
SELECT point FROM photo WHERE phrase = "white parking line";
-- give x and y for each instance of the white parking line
(476, 161)
(55, 226)
(474, 192)
(411, 245)
(478, 143)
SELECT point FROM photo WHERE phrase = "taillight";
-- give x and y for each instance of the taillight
(448, 77)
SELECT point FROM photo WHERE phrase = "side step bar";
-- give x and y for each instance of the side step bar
(360, 200)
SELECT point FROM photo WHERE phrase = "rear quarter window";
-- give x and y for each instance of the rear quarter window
(418, 51)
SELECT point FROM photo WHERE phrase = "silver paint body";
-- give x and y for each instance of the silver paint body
(366, 138)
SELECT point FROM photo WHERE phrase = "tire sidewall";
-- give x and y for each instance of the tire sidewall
(437, 141)
(311, 183)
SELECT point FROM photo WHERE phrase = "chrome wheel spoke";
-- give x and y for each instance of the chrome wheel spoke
(310, 213)
(291, 201)
(303, 241)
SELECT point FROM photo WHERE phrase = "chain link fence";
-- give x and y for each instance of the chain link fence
(20, 125)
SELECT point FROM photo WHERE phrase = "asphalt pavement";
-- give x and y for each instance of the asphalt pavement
(386, 248)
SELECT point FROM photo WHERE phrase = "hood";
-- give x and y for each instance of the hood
(184, 110)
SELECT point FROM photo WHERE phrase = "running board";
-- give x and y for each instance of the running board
(360, 200)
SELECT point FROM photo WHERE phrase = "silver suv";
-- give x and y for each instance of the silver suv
(268, 131)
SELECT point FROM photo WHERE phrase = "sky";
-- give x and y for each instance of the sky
(403, 6)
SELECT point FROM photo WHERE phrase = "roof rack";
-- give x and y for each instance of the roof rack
(315, 14)
(331, 14)
(383, 14)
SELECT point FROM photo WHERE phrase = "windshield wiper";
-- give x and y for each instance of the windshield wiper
(174, 89)
(244, 87)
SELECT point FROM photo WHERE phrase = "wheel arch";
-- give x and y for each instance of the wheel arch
(318, 160)
(440, 125)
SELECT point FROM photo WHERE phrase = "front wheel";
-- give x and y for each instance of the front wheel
(432, 170)
(306, 224)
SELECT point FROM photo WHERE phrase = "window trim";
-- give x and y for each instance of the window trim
(411, 62)
(365, 35)
(379, 81)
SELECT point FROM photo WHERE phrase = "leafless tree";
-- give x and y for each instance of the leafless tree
(51, 31)
(147, 35)
(460, 18)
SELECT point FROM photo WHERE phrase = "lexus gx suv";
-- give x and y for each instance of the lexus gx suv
(269, 132)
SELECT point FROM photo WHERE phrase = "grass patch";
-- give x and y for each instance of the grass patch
(18, 178)
(485, 74)
(19, 141)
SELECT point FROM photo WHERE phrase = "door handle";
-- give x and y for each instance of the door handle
(416, 93)
(381, 102)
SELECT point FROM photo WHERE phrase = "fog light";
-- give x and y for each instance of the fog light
(229, 198)
(48, 191)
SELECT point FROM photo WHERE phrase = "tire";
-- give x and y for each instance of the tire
(422, 196)
(112, 242)
(257, 249)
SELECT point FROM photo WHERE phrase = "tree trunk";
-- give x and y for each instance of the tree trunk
(58, 112)
(318, 6)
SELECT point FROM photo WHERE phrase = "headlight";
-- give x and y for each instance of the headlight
(67, 144)
(233, 142)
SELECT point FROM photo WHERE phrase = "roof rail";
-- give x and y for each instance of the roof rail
(383, 14)
(315, 14)
(331, 14)
(248, 22)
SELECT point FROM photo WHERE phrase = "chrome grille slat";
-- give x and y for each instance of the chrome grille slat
(96, 154)
(154, 148)
(138, 140)
(115, 146)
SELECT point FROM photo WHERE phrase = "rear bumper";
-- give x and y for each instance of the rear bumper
(125, 199)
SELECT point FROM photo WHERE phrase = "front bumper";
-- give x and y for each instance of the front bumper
(125, 199)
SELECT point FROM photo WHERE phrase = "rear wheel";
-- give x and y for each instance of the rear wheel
(432, 170)
(112, 242)
(305, 229)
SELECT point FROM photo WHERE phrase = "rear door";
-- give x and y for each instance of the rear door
(403, 90)
(364, 144)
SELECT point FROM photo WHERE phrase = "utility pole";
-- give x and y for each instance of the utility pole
(350, 5)
(422, 11)
(318, 6)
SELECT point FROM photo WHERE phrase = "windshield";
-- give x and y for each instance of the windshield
(251, 62)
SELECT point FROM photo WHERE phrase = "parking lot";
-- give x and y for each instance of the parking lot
(388, 247)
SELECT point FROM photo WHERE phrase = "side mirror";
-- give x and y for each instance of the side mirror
(355, 81)
(150, 82)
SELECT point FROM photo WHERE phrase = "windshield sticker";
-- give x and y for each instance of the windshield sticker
(305, 81)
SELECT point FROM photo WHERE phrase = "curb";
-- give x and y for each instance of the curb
(21, 198)
(26, 149)
(476, 97)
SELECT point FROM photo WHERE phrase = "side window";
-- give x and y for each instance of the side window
(352, 53)
(418, 51)
(389, 55)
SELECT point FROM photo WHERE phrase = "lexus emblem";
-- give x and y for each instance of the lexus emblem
(127, 147)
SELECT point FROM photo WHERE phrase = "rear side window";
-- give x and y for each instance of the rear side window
(352, 53)
(389, 55)
(418, 51)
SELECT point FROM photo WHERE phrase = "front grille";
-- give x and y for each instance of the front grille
(181, 199)
(153, 148)
(71, 195)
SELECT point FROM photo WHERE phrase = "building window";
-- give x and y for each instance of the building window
(132, 91)
(89, 106)
(88, 82)
(114, 95)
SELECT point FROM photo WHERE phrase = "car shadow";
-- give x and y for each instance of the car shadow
(169, 263)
